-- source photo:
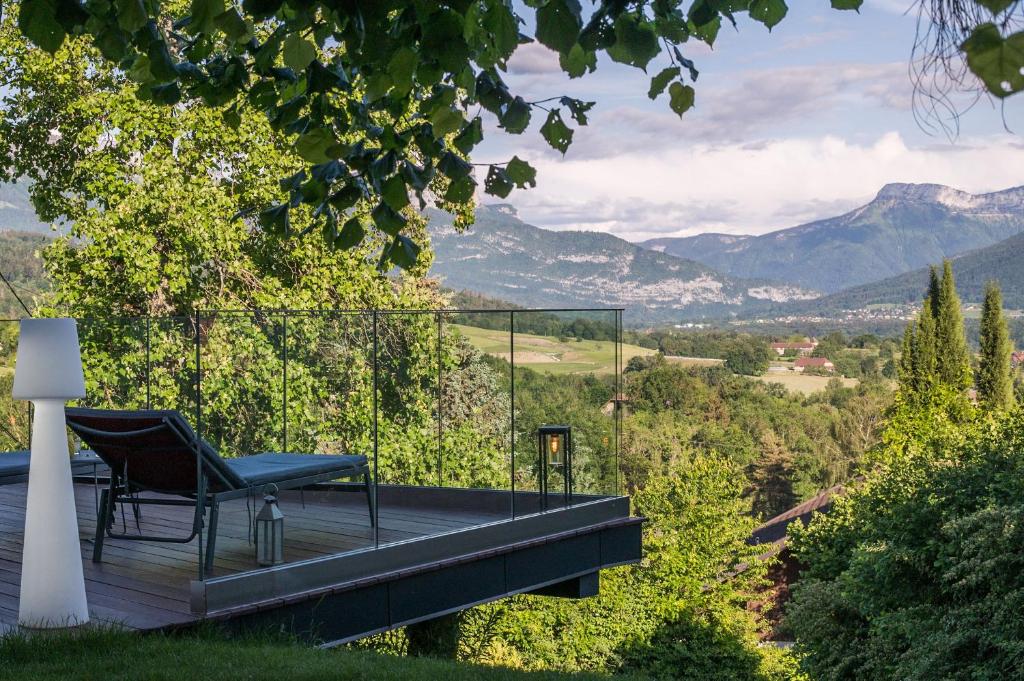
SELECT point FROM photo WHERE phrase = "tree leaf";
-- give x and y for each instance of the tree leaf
(131, 15)
(681, 97)
(461, 190)
(769, 12)
(313, 145)
(394, 193)
(401, 68)
(661, 81)
(446, 120)
(275, 219)
(470, 136)
(848, 4)
(203, 14)
(995, 60)
(993, 6)
(387, 219)
(233, 26)
(578, 61)
(497, 182)
(577, 108)
(636, 42)
(404, 252)
(556, 132)
(521, 173)
(37, 20)
(516, 116)
(558, 24)
(299, 52)
(351, 235)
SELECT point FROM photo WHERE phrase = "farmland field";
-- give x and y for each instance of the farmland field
(802, 383)
(694, 361)
(551, 355)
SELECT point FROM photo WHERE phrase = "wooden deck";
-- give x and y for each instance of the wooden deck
(146, 585)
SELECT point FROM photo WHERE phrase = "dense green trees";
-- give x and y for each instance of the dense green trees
(748, 356)
(995, 377)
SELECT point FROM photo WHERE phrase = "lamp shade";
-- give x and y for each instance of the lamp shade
(49, 362)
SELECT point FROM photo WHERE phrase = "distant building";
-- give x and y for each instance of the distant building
(814, 363)
(1017, 359)
(803, 348)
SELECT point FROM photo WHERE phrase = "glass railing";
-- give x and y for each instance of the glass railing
(445, 404)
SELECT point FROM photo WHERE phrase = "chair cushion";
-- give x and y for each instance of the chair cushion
(13, 463)
(261, 469)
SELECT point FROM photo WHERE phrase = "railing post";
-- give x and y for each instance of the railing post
(149, 363)
(440, 405)
(512, 402)
(284, 391)
(376, 480)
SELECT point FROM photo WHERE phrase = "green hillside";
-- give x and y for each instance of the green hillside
(23, 267)
(1003, 262)
(904, 228)
(16, 211)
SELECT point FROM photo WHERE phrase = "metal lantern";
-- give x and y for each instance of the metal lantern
(270, 530)
(555, 453)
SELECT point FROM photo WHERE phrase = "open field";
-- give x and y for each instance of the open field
(543, 353)
(802, 383)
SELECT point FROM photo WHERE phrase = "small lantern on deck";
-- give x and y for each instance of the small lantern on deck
(270, 530)
(555, 453)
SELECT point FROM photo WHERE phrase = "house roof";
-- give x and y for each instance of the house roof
(795, 346)
(813, 362)
(775, 530)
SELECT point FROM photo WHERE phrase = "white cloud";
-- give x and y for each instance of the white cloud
(749, 187)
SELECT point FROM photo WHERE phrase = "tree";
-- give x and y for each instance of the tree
(379, 97)
(748, 356)
(953, 359)
(995, 375)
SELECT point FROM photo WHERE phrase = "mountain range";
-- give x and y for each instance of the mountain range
(16, 211)
(502, 256)
(905, 227)
(1002, 262)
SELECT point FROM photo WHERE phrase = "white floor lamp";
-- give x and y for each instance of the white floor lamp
(48, 371)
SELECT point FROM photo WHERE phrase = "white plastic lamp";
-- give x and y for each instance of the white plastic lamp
(48, 371)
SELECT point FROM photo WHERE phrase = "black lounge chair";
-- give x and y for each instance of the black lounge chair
(14, 466)
(157, 451)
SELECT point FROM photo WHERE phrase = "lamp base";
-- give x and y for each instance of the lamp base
(52, 580)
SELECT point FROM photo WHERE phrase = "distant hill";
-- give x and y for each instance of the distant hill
(1003, 261)
(905, 227)
(22, 266)
(16, 211)
(504, 257)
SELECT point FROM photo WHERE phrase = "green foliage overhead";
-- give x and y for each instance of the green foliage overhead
(374, 92)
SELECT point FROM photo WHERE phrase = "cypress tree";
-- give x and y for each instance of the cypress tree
(953, 360)
(905, 368)
(995, 384)
(933, 290)
(925, 359)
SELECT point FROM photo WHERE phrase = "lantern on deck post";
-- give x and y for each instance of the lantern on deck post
(270, 530)
(555, 454)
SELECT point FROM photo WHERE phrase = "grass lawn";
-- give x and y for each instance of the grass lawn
(694, 361)
(548, 354)
(112, 655)
(801, 383)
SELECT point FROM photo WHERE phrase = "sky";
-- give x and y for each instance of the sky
(804, 122)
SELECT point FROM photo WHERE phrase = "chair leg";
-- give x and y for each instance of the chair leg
(211, 534)
(102, 523)
(369, 497)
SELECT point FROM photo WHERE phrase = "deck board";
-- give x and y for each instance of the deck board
(145, 585)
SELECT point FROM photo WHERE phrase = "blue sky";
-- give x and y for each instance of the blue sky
(805, 122)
